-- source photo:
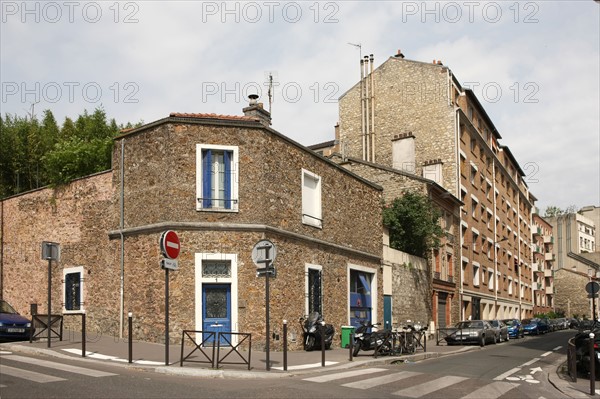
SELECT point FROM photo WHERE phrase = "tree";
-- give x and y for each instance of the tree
(413, 222)
(553, 211)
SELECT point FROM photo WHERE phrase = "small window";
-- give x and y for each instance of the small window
(314, 289)
(217, 180)
(73, 289)
(311, 199)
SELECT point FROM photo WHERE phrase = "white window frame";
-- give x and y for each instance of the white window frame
(71, 270)
(234, 177)
(312, 209)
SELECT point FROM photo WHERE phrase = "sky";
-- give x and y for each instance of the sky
(534, 66)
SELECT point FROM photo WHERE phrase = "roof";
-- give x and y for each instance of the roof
(324, 144)
(214, 116)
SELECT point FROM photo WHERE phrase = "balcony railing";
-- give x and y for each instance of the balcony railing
(548, 273)
(548, 239)
(549, 256)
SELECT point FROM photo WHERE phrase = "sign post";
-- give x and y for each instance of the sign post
(592, 288)
(170, 247)
(50, 252)
(263, 256)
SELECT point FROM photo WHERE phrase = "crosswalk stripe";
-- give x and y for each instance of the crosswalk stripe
(384, 379)
(59, 366)
(339, 376)
(426, 388)
(28, 375)
(493, 390)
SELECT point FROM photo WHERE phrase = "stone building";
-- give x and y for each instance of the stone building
(416, 117)
(222, 183)
(543, 265)
(573, 233)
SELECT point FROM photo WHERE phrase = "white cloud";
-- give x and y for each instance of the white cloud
(173, 55)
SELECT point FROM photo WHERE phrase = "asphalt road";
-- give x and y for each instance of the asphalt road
(514, 369)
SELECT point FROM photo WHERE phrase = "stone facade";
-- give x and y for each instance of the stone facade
(573, 300)
(155, 182)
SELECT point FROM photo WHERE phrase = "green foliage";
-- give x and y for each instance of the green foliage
(35, 154)
(413, 222)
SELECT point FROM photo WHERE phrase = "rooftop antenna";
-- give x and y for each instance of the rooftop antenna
(359, 48)
(31, 110)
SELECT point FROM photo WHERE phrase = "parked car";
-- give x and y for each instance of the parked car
(535, 326)
(471, 332)
(515, 328)
(500, 329)
(582, 352)
(13, 326)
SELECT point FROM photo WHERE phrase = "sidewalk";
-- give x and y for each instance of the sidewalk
(152, 356)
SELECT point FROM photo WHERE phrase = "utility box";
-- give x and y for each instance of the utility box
(347, 332)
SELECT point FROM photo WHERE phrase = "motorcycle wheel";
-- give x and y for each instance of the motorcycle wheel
(327, 345)
(356, 349)
(310, 343)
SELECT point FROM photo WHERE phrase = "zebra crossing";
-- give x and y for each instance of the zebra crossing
(39, 377)
(430, 388)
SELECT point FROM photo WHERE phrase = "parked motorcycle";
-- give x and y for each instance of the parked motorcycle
(312, 327)
(367, 338)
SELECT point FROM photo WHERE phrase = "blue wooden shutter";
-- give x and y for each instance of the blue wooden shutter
(206, 178)
(227, 155)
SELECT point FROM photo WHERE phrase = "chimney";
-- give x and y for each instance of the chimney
(256, 110)
(399, 54)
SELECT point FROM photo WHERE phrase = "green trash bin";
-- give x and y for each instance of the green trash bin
(347, 332)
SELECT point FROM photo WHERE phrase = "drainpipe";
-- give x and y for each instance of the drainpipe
(371, 59)
(121, 227)
(457, 157)
(367, 98)
(362, 107)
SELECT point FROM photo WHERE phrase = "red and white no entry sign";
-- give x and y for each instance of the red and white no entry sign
(169, 244)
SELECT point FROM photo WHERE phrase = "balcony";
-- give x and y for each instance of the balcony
(537, 249)
(548, 273)
(548, 239)
(549, 256)
(537, 231)
(549, 290)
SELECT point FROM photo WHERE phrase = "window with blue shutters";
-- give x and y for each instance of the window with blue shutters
(217, 178)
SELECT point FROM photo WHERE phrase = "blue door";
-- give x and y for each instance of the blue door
(216, 309)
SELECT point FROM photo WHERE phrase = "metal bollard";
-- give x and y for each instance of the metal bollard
(351, 347)
(592, 366)
(285, 345)
(322, 344)
(130, 338)
(83, 338)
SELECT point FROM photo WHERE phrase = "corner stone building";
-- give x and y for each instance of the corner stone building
(223, 183)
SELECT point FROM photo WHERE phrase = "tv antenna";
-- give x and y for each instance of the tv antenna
(31, 110)
(359, 47)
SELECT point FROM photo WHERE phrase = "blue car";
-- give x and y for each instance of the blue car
(535, 326)
(13, 326)
(515, 328)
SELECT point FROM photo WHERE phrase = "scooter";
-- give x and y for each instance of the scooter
(367, 338)
(312, 328)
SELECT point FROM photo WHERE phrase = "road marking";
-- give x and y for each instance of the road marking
(384, 379)
(28, 375)
(493, 390)
(508, 373)
(429, 387)
(303, 366)
(557, 348)
(5, 353)
(339, 376)
(95, 355)
(529, 363)
(547, 354)
(59, 366)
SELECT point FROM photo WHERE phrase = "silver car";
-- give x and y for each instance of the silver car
(500, 329)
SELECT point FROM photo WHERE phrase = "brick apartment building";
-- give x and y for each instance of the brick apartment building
(543, 265)
(222, 183)
(417, 118)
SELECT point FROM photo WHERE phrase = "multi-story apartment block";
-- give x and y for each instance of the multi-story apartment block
(543, 261)
(574, 233)
(593, 213)
(416, 117)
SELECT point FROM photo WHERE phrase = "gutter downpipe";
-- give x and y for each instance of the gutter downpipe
(362, 108)
(121, 226)
(457, 141)
(372, 61)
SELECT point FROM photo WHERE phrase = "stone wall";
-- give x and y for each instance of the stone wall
(76, 216)
(571, 297)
